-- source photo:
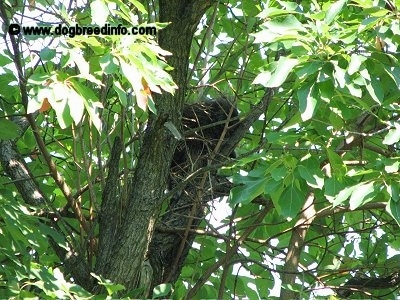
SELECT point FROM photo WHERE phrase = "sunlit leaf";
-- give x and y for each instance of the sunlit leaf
(361, 194)
(307, 101)
(100, 12)
(283, 68)
(334, 10)
(393, 135)
(393, 208)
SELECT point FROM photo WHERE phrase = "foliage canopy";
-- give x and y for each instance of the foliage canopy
(89, 125)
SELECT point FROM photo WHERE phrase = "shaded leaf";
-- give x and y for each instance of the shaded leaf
(253, 187)
(291, 202)
(8, 130)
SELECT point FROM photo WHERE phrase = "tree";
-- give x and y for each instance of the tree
(94, 202)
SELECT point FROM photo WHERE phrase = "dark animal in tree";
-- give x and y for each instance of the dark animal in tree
(206, 125)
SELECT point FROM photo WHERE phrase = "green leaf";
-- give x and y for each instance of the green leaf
(139, 6)
(291, 202)
(108, 64)
(121, 93)
(338, 168)
(90, 101)
(253, 187)
(334, 10)
(308, 69)
(172, 128)
(58, 99)
(393, 208)
(394, 191)
(80, 61)
(162, 290)
(4, 60)
(393, 135)
(284, 25)
(311, 176)
(307, 100)
(100, 12)
(355, 62)
(340, 76)
(394, 73)
(375, 90)
(392, 166)
(343, 196)
(47, 54)
(76, 105)
(111, 287)
(8, 130)
(332, 188)
(361, 194)
(283, 67)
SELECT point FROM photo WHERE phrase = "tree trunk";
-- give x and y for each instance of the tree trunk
(146, 190)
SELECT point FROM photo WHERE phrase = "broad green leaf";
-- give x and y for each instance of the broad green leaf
(172, 128)
(361, 194)
(162, 290)
(336, 121)
(253, 187)
(121, 93)
(393, 135)
(8, 130)
(307, 101)
(340, 76)
(76, 106)
(343, 195)
(80, 61)
(35, 103)
(284, 25)
(100, 12)
(283, 67)
(308, 69)
(394, 73)
(60, 104)
(8, 84)
(355, 62)
(135, 79)
(4, 60)
(39, 78)
(394, 191)
(354, 90)
(332, 188)
(375, 90)
(311, 176)
(334, 10)
(108, 63)
(47, 54)
(368, 23)
(291, 202)
(392, 166)
(338, 168)
(111, 287)
(262, 78)
(393, 208)
(91, 103)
